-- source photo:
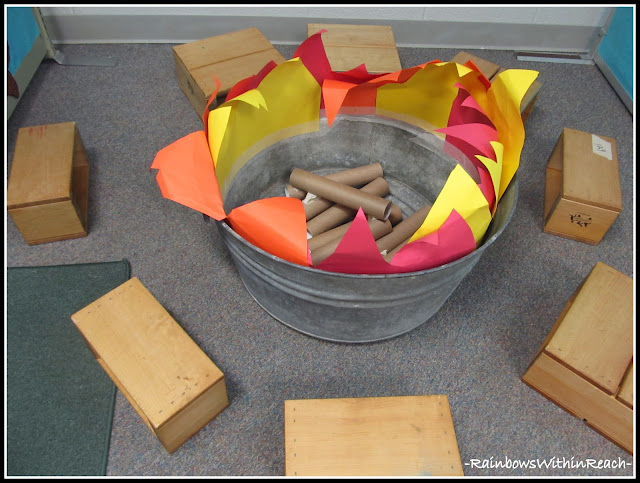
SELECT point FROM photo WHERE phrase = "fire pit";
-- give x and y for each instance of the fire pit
(448, 141)
(343, 307)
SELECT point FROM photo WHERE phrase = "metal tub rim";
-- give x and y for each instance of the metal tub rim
(476, 253)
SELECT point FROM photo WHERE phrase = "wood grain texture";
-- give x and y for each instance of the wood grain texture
(229, 72)
(348, 46)
(48, 222)
(41, 168)
(626, 388)
(567, 389)
(223, 47)
(48, 188)
(582, 189)
(167, 378)
(377, 436)
(585, 364)
(595, 337)
(230, 57)
(579, 221)
(590, 177)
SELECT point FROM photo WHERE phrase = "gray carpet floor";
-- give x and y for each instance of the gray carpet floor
(474, 350)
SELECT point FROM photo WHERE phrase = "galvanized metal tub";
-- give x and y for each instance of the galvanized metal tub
(343, 307)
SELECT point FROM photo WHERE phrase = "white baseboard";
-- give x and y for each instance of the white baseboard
(105, 29)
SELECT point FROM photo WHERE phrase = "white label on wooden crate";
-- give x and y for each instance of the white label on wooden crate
(601, 147)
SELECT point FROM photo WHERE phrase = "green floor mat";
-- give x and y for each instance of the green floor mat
(59, 400)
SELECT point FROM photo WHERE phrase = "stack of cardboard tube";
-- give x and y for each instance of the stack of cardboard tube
(332, 201)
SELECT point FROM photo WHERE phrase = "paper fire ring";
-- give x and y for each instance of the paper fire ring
(477, 118)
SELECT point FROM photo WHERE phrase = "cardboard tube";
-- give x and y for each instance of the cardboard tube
(294, 192)
(378, 229)
(325, 237)
(355, 177)
(329, 218)
(389, 256)
(403, 230)
(338, 214)
(395, 216)
(341, 194)
(317, 206)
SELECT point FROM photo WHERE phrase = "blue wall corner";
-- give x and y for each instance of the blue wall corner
(617, 47)
(22, 31)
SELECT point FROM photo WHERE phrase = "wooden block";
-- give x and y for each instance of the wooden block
(489, 69)
(172, 384)
(582, 190)
(371, 436)
(625, 394)
(230, 57)
(348, 46)
(595, 336)
(48, 188)
(584, 365)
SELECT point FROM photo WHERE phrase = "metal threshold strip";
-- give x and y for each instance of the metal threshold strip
(558, 57)
(67, 59)
(74, 59)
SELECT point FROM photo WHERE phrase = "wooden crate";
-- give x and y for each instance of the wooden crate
(231, 57)
(48, 188)
(172, 384)
(585, 364)
(371, 436)
(489, 69)
(582, 191)
(348, 46)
